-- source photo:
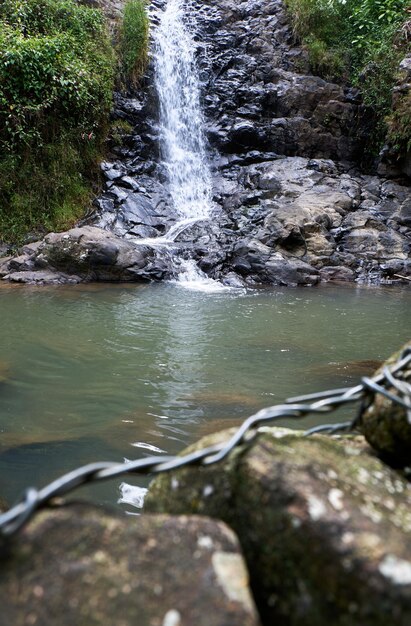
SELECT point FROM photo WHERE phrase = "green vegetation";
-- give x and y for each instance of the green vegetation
(362, 41)
(133, 41)
(57, 67)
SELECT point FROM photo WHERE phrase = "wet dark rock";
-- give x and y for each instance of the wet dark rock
(256, 261)
(128, 182)
(111, 171)
(84, 566)
(137, 209)
(387, 425)
(324, 525)
(257, 94)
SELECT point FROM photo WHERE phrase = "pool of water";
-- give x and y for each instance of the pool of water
(108, 372)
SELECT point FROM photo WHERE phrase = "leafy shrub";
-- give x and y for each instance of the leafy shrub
(55, 58)
(56, 79)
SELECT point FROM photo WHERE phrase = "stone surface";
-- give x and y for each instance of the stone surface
(259, 93)
(83, 566)
(385, 424)
(81, 254)
(324, 525)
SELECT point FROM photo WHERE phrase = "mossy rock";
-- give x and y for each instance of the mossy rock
(325, 525)
(83, 566)
(385, 424)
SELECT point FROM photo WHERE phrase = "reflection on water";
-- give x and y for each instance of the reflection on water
(107, 372)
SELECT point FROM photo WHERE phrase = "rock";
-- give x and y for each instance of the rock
(315, 212)
(112, 171)
(83, 566)
(337, 272)
(324, 525)
(257, 95)
(42, 278)
(86, 253)
(385, 424)
(289, 272)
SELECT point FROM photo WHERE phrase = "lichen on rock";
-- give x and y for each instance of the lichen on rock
(321, 521)
(82, 565)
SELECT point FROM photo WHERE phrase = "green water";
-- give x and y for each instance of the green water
(106, 372)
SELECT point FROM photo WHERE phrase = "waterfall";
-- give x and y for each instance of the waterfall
(182, 140)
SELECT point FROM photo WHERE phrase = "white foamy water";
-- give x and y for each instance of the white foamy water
(130, 494)
(170, 237)
(181, 119)
(191, 277)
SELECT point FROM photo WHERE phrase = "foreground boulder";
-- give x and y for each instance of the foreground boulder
(85, 567)
(80, 254)
(324, 525)
(385, 424)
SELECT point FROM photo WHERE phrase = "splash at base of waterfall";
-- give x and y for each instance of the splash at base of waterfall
(191, 277)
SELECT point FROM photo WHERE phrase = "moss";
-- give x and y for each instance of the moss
(119, 129)
(314, 516)
(399, 124)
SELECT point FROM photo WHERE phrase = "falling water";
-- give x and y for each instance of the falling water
(181, 120)
(182, 141)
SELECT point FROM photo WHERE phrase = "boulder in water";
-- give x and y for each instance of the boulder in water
(83, 253)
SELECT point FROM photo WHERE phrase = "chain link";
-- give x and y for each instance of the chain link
(390, 378)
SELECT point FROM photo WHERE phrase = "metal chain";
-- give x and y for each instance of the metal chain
(394, 377)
